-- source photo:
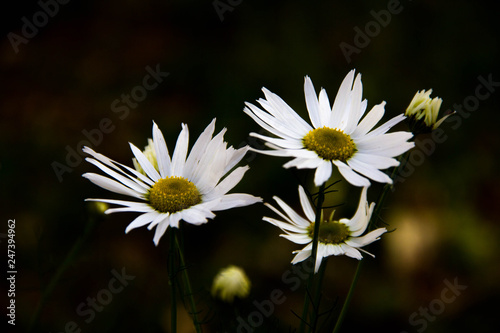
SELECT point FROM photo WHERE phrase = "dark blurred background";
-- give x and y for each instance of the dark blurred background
(60, 79)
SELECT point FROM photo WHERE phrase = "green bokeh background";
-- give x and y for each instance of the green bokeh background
(65, 79)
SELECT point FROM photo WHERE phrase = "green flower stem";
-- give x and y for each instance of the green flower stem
(348, 298)
(371, 223)
(172, 282)
(317, 295)
(314, 252)
(60, 270)
(187, 283)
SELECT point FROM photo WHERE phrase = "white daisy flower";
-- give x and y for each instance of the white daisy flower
(337, 136)
(184, 187)
(335, 237)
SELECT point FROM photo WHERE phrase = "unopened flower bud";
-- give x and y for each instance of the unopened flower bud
(422, 113)
(98, 208)
(229, 283)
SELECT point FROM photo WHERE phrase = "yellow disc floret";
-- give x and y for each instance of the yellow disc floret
(331, 232)
(172, 194)
(330, 144)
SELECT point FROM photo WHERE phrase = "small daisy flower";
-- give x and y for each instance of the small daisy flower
(423, 111)
(184, 187)
(338, 136)
(231, 282)
(335, 237)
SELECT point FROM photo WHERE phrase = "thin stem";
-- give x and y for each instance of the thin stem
(172, 281)
(317, 295)
(187, 284)
(375, 215)
(314, 252)
(348, 298)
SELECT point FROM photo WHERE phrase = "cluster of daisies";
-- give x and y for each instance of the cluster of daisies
(191, 185)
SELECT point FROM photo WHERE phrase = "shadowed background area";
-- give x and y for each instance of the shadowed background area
(77, 76)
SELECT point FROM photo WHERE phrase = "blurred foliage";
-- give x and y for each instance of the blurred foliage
(65, 79)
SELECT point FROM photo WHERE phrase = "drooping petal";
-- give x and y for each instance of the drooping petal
(159, 231)
(142, 220)
(351, 252)
(351, 176)
(366, 239)
(323, 173)
(369, 171)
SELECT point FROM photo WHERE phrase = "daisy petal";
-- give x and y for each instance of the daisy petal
(323, 173)
(351, 176)
(142, 220)
(160, 230)
(369, 121)
(301, 256)
(312, 103)
(111, 185)
(306, 205)
(145, 164)
(162, 155)
(342, 101)
(180, 152)
(236, 200)
(369, 171)
(366, 239)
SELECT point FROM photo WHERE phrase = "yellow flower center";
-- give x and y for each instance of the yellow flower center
(330, 232)
(330, 144)
(172, 194)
